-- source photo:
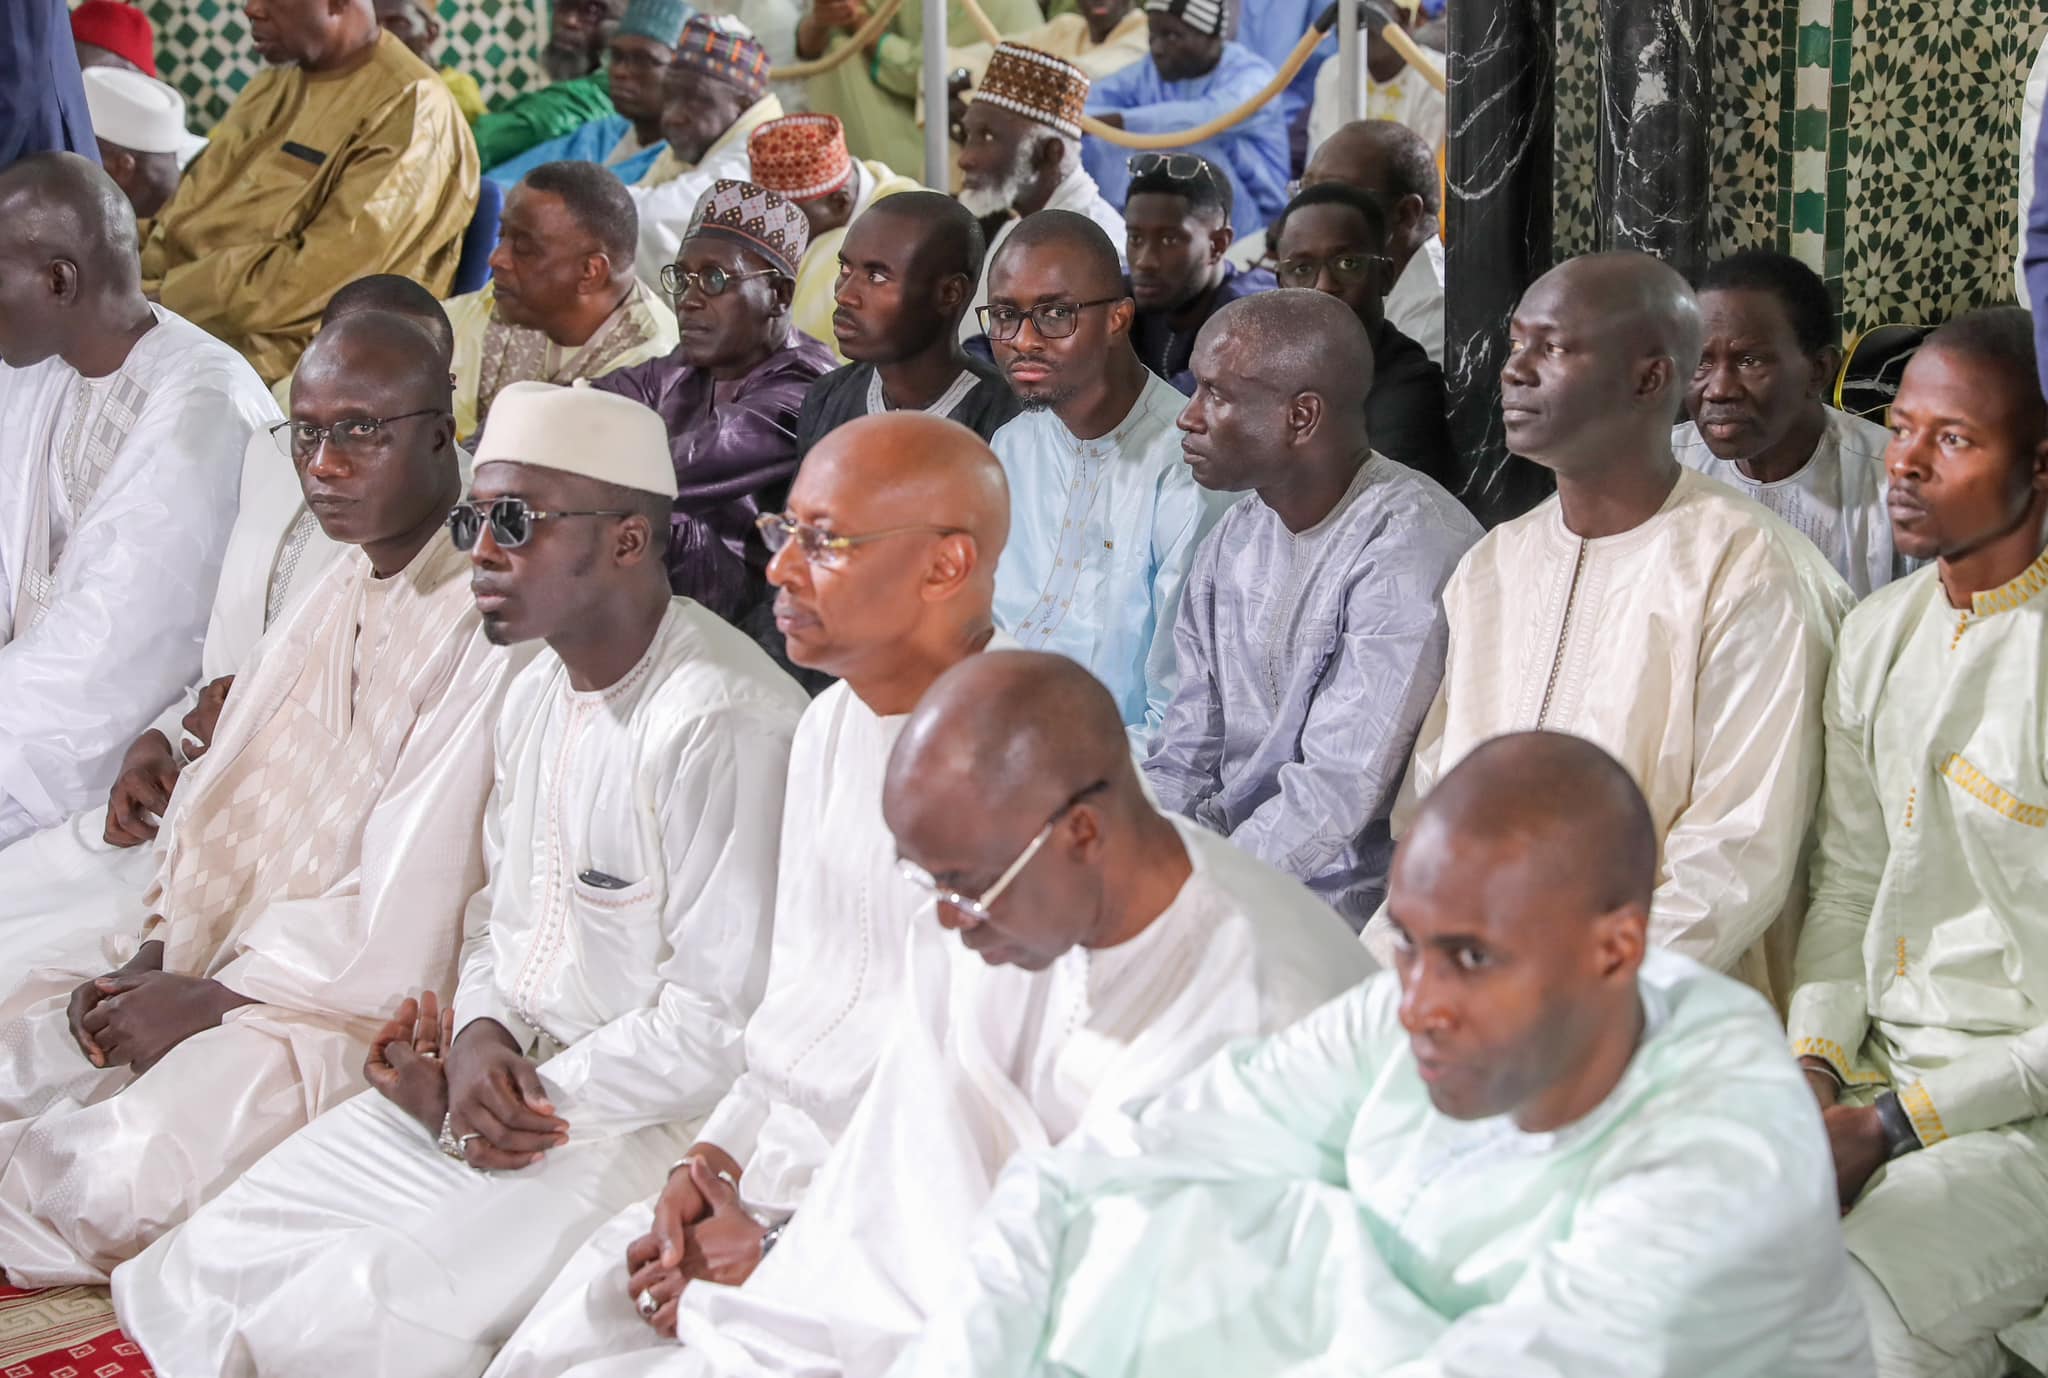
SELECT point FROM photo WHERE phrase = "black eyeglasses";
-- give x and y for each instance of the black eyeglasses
(1177, 167)
(1053, 320)
(1345, 269)
(712, 282)
(300, 439)
(511, 521)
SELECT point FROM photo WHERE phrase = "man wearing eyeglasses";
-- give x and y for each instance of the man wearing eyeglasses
(1390, 163)
(1178, 222)
(730, 394)
(315, 859)
(1103, 950)
(609, 967)
(884, 565)
(1105, 514)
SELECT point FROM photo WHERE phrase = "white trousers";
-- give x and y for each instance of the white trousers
(584, 1323)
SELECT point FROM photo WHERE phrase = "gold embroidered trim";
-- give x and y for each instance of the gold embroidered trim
(1912, 798)
(1900, 968)
(1926, 1119)
(1831, 1051)
(2031, 581)
(1991, 794)
(1962, 624)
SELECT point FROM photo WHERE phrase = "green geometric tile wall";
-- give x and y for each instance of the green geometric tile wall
(203, 48)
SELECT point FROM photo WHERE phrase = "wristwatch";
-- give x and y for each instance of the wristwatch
(770, 1233)
(1900, 1138)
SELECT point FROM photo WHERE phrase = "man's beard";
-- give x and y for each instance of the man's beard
(999, 196)
(562, 62)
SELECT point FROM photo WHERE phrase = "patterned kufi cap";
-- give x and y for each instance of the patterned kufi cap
(756, 217)
(1037, 86)
(801, 157)
(724, 49)
(1203, 16)
(659, 20)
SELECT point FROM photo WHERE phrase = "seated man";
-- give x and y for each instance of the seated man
(562, 302)
(626, 138)
(1333, 238)
(1098, 36)
(345, 156)
(1310, 639)
(1022, 154)
(1392, 165)
(1919, 1008)
(1178, 233)
(1135, 946)
(650, 741)
(314, 860)
(1650, 610)
(1389, 90)
(578, 90)
(803, 159)
(140, 124)
(124, 425)
(714, 97)
(79, 876)
(1533, 1147)
(1760, 424)
(906, 270)
(1105, 514)
(416, 24)
(729, 394)
(885, 563)
(1191, 76)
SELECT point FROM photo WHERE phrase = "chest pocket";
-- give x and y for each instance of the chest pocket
(1994, 796)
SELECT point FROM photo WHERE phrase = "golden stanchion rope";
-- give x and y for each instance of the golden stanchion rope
(864, 35)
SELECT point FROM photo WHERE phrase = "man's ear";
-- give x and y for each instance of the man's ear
(1220, 240)
(1827, 367)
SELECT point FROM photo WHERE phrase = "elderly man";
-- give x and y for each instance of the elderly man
(1105, 513)
(579, 90)
(124, 424)
(563, 302)
(1334, 238)
(627, 138)
(730, 393)
(714, 97)
(670, 733)
(140, 125)
(346, 156)
(1919, 1009)
(42, 101)
(906, 270)
(1178, 223)
(1760, 424)
(1681, 627)
(1022, 152)
(1191, 76)
(803, 159)
(1122, 951)
(1532, 1147)
(885, 565)
(312, 863)
(1391, 164)
(1311, 639)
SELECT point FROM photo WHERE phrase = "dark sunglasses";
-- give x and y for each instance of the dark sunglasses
(511, 522)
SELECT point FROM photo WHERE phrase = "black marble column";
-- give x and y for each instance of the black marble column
(1502, 66)
(1656, 112)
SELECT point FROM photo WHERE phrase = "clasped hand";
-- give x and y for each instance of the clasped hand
(701, 1230)
(1855, 1136)
(482, 1082)
(135, 1016)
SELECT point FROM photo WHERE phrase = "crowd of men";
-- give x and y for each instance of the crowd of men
(827, 778)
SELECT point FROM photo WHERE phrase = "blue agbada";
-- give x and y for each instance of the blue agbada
(591, 142)
(42, 98)
(1253, 153)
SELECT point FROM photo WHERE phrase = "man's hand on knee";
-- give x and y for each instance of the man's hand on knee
(501, 1113)
(405, 1062)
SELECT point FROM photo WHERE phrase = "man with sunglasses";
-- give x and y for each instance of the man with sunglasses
(1104, 950)
(885, 563)
(730, 394)
(313, 861)
(1105, 514)
(1178, 223)
(639, 793)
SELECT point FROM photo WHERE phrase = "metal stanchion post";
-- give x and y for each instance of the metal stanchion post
(935, 152)
(1347, 60)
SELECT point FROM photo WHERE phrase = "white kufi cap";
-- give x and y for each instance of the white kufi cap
(579, 430)
(135, 112)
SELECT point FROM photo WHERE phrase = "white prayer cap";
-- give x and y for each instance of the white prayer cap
(136, 112)
(579, 430)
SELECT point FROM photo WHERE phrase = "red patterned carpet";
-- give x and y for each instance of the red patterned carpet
(64, 1332)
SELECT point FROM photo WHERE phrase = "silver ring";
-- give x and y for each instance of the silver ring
(462, 1143)
(432, 1054)
(646, 1303)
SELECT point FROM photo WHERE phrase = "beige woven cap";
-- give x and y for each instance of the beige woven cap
(579, 430)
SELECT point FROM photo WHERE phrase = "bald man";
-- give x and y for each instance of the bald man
(1533, 1147)
(316, 859)
(125, 426)
(1310, 639)
(1107, 516)
(884, 564)
(1104, 950)
(1648, 609)
(1397, 167)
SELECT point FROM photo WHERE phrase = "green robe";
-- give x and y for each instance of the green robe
(540, 115)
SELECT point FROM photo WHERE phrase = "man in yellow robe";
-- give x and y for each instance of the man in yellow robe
(347, 157)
